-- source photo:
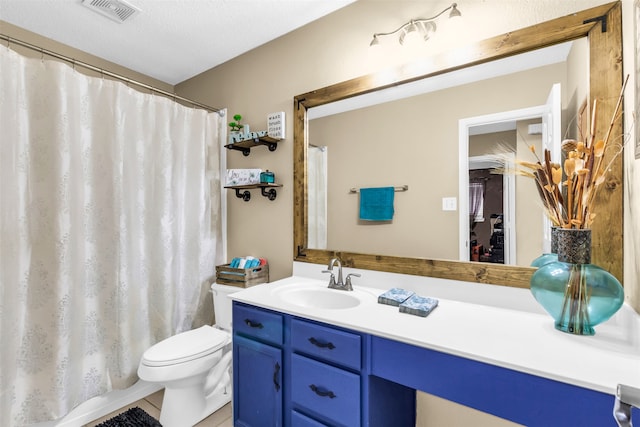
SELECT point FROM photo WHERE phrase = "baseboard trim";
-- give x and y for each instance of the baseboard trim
(100, 406)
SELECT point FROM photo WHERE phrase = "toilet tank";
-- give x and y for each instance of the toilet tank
(222, 304)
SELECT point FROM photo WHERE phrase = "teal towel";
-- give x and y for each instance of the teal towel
(376, 204)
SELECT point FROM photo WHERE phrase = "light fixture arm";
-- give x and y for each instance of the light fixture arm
(452, 8)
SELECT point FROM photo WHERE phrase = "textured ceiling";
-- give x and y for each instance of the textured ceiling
(170, 40)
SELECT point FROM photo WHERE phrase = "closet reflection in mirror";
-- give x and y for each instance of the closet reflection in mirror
(409, 135)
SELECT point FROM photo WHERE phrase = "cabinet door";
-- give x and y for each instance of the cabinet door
(257, 380)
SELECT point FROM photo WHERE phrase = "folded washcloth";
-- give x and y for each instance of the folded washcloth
(420, 306)
(376, 204)
(394, 296)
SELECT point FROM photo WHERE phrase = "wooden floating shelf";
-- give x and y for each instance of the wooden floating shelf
(246, 145)
(267, 190)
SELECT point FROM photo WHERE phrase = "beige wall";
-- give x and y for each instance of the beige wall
(492, 143)
(414, 142)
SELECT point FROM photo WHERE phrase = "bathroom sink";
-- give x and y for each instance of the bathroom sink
(322, 297)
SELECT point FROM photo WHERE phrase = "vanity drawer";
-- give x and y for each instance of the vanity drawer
(326, 343)
(325, 391)
(300, 420)
(257, 323)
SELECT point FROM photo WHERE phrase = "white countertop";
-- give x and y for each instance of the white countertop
(522, 339)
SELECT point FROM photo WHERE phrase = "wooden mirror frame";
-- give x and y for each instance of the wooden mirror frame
(603, 27)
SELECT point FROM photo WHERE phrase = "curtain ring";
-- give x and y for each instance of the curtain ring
(42, 54)
(8, 42)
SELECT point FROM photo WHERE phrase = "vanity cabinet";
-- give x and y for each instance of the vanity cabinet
(257, 367)
(325, 374)
(295, 372)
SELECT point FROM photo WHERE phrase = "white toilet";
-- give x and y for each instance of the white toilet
(194, 367)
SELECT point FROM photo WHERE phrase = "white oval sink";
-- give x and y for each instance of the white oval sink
(321, 297)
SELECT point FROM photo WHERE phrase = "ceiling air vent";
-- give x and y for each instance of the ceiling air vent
(116, 10)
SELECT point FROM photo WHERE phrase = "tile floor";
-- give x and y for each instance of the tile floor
(152, 403)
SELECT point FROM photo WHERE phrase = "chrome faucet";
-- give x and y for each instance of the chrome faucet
(343, 286)
(626, 398)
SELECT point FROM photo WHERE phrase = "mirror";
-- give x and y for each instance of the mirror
(605, 82)
(416, 127)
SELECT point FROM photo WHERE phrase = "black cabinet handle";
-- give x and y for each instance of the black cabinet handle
(250, 323)
(321, 393)
(276, 372)
(317, 343)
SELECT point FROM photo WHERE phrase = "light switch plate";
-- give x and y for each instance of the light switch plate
(449, 203)
(275, 125)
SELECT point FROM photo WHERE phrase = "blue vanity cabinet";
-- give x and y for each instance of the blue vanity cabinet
(257, 367)
(323, 376)
(295, 372)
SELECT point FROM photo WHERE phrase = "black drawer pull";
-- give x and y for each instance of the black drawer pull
(276, 381)
(250, 323)
(317, 343)
(321, 393)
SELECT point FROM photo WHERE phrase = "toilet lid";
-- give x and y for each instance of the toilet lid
(186, 346)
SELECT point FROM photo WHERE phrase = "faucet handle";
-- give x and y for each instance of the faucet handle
(332, 279)
(347, 282)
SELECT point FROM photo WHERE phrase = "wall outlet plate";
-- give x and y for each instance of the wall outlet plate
(449, 203)
(275, 125)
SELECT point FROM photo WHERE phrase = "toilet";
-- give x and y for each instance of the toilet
(194, 367)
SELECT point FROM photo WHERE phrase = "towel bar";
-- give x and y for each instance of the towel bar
(396, 189)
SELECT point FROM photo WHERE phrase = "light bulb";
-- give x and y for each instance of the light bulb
(411, 35)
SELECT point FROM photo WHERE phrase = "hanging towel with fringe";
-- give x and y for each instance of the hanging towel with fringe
(376, 204)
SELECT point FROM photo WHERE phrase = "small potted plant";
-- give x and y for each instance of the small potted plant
(236, 129)
(236, 126)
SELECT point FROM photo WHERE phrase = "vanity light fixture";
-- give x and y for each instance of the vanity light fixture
(417, 28)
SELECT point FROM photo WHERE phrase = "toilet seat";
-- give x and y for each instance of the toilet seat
(186, 346)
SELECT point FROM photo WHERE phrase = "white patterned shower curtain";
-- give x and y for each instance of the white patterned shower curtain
(317, 196)
(110, 232)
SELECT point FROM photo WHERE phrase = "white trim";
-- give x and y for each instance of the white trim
(105, 404)
(509, 220)
(223, 193)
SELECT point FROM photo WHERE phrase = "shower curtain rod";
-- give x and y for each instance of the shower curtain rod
(102, 71)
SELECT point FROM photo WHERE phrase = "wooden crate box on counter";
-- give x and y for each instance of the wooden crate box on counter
(242, 277)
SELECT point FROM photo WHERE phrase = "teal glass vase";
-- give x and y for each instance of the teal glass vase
(577, 294)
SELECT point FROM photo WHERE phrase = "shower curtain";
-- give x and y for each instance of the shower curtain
(317, 200)
(110, 232)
